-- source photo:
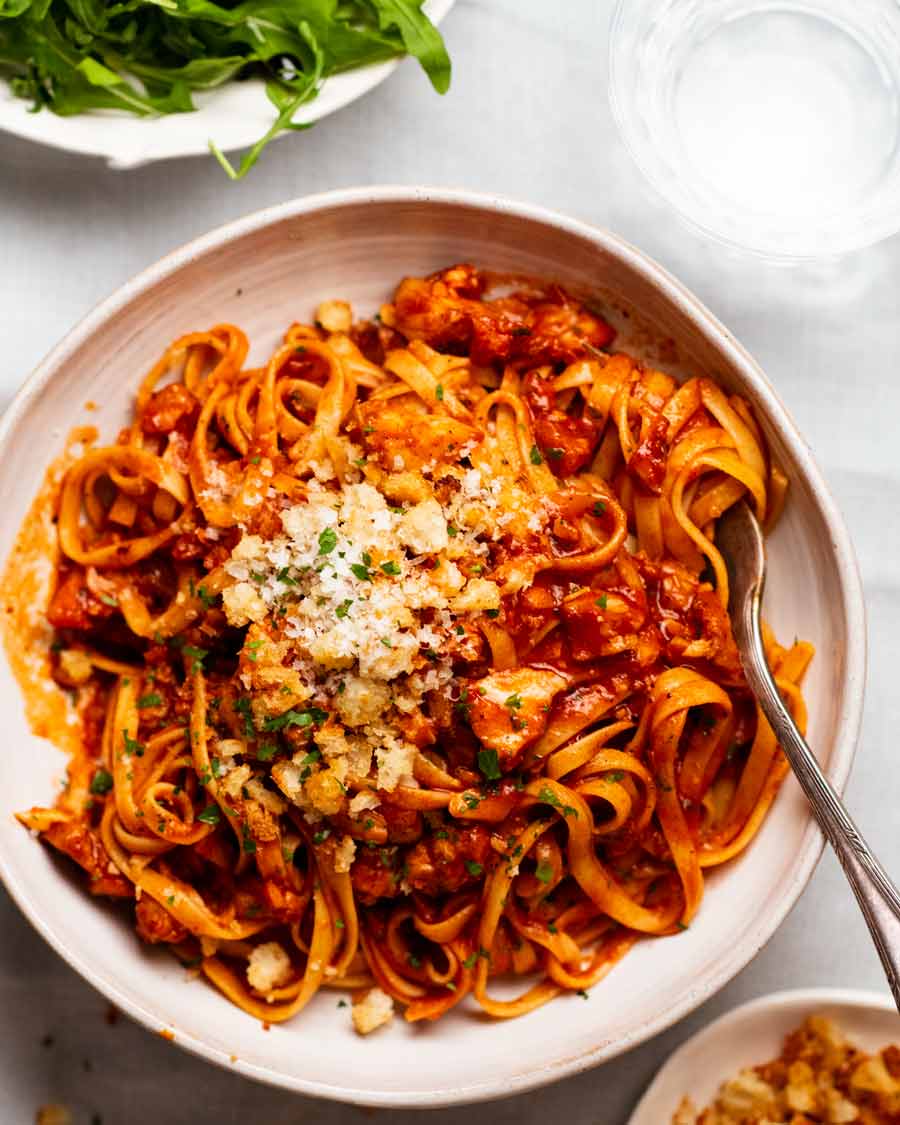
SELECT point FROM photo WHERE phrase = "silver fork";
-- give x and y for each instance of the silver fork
(740, 540)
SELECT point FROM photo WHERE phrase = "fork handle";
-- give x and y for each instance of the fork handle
(876, 894)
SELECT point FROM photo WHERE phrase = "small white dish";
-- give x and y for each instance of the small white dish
(234, 116)
(753, 1034)
(262, 273)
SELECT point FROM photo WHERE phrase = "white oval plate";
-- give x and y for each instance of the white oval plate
(235, 116)
(753, 1034)
(262, 273)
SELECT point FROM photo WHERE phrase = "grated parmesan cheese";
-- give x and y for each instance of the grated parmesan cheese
(355, 606)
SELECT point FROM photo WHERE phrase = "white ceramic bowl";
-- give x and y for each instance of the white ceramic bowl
(235, 116)
(753, 1034)
(262, 273)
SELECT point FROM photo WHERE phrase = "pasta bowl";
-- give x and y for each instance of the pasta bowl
(262, 273)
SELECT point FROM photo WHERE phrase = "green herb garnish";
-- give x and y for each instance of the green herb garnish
(151, 57)
(197, 655)
(295, 718)
(101, 782)
(327, 541)
(489, 764)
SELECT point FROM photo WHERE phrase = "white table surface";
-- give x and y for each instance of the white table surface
(527, 117)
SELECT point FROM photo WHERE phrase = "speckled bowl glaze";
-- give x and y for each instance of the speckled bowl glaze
(263, 272)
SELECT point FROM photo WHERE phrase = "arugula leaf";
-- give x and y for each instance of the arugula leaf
(148, 57)
(420, 37)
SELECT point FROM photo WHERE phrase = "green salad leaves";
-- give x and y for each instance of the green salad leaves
(149, 57)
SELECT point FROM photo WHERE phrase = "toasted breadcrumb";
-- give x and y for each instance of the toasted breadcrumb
(268, 967)
(371, 1011)
(819, 1078)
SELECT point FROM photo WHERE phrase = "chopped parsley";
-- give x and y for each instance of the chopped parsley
(197, 655)
(599, 508)
(556, 454)
(601, 601)
(535, 456)
(294, 718)
(327, 541)
(108, 600)
(210, 815)
(470, 961)
(452, 531)
(266, 752)
(544, 872)
(132, 746)
(321, 836)
(474, 868)
(489, 764)
(242, 705)
(439, 393)
(514, 702)
(101, 782)
(547, 795)
(361, 571)
(390, 568)
(343, 609)
(151, 699)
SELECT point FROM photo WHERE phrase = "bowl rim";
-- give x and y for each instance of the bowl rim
(789, 998)
(854, 622)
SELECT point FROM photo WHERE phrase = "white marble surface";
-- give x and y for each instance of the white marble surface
(527, 117)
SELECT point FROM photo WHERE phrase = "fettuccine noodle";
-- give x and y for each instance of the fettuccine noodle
(403, 661)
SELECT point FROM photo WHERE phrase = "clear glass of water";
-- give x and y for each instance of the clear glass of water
(773, 125)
